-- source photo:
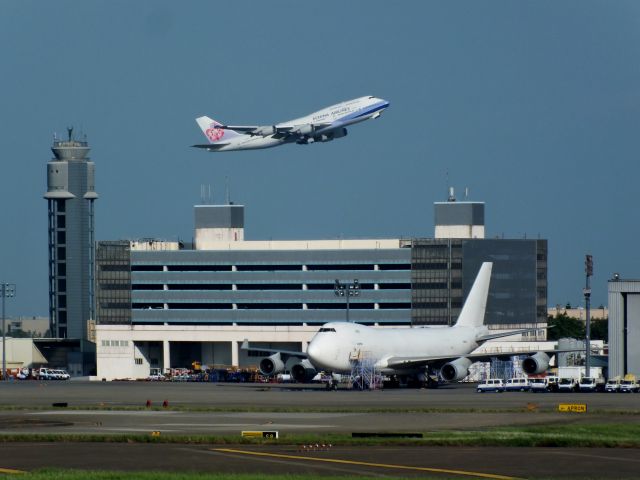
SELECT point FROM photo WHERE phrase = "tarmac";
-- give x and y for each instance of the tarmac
(313, 410)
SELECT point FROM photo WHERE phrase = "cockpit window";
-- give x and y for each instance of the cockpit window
(327, 330)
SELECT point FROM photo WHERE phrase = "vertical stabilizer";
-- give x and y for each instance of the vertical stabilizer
(213, 132)
(472, 314)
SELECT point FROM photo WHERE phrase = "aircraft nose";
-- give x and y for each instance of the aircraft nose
(313, 350)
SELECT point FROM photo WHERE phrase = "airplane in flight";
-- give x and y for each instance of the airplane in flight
(418, 352)
(321, 126)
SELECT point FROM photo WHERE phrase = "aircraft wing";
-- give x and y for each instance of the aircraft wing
(492, 336)
(287, 353)
(413, 362)
(282, 130)
(239, 128)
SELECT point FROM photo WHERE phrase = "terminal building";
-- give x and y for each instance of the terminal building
(163, 305)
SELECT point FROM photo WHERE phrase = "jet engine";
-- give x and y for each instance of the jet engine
(456, 370)
(341, 132)
(271, 365)
(323, 138)
(303, 371)
(265, 131)
(536, 363)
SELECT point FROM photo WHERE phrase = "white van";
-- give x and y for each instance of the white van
(491, 385)
(539, 384)
(517, 384)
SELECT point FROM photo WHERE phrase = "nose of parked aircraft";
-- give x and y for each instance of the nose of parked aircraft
(313, 350)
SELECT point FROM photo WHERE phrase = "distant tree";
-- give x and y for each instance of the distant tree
(565, 327)
(18, 333)
(600, 330)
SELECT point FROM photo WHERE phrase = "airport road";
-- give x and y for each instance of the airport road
(459, 462)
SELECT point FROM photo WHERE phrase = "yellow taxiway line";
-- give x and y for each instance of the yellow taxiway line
(366, 464)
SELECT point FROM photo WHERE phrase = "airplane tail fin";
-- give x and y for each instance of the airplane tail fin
(211, 130)
(472, 314)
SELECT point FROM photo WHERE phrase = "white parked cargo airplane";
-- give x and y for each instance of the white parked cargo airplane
(321, 126)
(404, 352)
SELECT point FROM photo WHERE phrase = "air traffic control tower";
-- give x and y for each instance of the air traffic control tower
(70, 197)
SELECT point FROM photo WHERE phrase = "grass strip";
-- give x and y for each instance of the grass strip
(571, 435)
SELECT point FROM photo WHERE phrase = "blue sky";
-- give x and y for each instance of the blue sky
(533, 105)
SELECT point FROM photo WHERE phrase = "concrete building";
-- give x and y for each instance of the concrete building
(70, 199)
(33, 326)
(597, 313)
(22, 353)
(162, 305)
(624, 326)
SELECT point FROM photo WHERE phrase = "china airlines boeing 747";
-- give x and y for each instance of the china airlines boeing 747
(322, 126)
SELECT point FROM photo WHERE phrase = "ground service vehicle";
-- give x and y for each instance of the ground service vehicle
(567, 385)
(517, 384)
(45, 374)
(613, 385)
(591, 384)
(491, 385)
(552, 383)
(539, 384)
(629, 386)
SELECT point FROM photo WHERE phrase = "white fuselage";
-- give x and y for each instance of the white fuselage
(327, 119)
(337, 344)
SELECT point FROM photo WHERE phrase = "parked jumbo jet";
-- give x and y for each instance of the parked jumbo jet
(404, 352)
(321, 126)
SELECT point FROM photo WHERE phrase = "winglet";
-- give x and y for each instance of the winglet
(472, 314)
(245, 344)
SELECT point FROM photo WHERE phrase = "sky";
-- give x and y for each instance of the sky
(532, 105)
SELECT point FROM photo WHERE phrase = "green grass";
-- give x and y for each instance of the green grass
(566, 435)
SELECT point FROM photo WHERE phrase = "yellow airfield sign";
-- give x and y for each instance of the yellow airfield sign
(573, 407)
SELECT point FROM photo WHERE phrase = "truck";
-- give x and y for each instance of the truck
(567, 384)
(613, 385)
(591, 384)
(629, 384)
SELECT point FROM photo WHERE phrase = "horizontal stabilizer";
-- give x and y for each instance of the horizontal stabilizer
(211, 146)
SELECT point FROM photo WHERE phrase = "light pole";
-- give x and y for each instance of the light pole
(588, 270)
(6, 290)
(346, 290)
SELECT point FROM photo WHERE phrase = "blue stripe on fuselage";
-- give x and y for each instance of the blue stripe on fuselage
(369, 110)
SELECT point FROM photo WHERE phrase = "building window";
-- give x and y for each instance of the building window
(138, 361)
(62, 237)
